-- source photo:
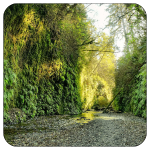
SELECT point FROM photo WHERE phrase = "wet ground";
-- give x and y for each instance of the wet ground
(92, 128)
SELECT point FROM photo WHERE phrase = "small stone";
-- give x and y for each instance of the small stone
(124, 139)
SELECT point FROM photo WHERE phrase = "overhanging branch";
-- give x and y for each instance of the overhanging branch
(97, 65)
(101, 51)
(86, 43)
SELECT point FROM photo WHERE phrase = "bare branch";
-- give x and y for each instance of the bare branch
(97, 65)
(131, 16)
(101, 51)
(84, 43)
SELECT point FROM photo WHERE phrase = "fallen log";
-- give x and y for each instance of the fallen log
(111, 102)
(122, 88)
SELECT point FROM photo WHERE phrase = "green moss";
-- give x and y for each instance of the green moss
(44, 67)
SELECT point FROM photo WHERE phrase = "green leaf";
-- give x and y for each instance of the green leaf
(22, 96)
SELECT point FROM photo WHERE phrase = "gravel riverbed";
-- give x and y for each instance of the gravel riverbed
(89, 129)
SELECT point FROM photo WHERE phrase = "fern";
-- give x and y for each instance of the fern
(9, 85)
(138, 100)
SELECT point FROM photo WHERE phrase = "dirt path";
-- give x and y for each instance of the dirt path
(99, 130)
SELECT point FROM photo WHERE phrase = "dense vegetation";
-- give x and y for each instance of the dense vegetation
(97, 76)
(56, 63)
(130, 76)
(41, 50)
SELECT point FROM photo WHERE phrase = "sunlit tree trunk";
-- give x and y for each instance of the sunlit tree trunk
(124, 29)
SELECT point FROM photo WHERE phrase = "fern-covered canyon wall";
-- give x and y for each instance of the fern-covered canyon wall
(42, 45)
(131, 68)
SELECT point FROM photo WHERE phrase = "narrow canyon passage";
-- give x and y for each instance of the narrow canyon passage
(75, 74)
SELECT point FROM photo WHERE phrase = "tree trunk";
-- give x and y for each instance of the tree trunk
(125, 33)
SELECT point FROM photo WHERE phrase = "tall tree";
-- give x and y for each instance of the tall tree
(130, 75)
(97, 76)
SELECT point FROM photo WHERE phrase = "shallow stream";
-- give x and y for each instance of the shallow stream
(53, 123)
(91, 128)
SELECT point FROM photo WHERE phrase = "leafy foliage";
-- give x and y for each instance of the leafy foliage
(9, 84)
(97, 76)
(131, 67)
(27, 96)
(43, 43)
(100, 102)
(138, 100)
(53, 66)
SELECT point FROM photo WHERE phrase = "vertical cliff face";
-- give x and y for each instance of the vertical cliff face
(41, 50)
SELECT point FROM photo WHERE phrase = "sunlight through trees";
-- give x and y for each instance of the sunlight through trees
(55, 61)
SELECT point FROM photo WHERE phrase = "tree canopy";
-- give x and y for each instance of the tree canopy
(130, 74)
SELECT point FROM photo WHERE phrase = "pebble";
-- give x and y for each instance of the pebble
(124, 130)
